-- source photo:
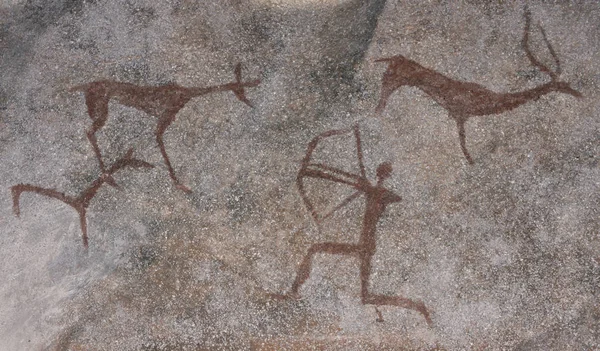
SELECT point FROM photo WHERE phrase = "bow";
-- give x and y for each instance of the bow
(322, 171)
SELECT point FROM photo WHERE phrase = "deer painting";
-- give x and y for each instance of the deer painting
(464, 100)
(162, 102)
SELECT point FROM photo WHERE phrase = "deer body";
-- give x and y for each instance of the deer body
(162, 102)
(462, 99)
(158, 101)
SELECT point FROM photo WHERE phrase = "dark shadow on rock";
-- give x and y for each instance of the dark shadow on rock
(27, 23)
(32, 20)
(348, 31)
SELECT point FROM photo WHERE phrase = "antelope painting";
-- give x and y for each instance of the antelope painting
(162, 102)
(464, 100)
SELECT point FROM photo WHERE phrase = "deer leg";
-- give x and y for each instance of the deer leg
(163, 124)
(98, 111)
(97, 105)
(460, 123)
(306, 265)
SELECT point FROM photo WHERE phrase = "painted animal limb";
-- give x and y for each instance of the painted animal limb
(162, 102)
(81, 202)
(462, 138)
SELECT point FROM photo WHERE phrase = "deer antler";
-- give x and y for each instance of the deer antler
(535, 62)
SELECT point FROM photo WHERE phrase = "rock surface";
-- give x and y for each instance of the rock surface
(504, 253)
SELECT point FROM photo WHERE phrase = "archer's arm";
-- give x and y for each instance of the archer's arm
(391, 197)
(316, 173)
(357, 178)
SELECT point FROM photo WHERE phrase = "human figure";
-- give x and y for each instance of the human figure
(377, 198)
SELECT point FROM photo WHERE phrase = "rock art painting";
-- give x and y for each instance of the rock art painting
(464, 100)
(377, 198)
(162, 102)
(304, 220)
(81, 202)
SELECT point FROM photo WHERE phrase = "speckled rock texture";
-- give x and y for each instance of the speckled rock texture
(503, 253)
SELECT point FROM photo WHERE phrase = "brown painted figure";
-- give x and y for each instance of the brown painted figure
(163, 102)
(81, 202)
(377, 199)
(464, 100)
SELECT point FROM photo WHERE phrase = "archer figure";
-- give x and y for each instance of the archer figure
(377, 198)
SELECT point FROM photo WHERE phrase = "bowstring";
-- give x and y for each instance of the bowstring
(306, 163)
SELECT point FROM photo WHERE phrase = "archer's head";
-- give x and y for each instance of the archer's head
(384, 170)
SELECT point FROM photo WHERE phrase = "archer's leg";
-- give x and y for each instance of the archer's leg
(380, 300)
(387, 300)
(162, 126)
(305, 267)
(365, 274)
